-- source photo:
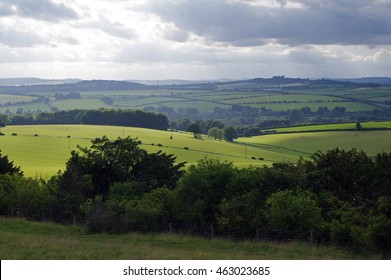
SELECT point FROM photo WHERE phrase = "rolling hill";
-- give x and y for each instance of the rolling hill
(42, 150)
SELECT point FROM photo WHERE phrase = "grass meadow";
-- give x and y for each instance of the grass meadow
(305, 144)
(42, 150)
(205, 101)
(21, 239)
(335, 126)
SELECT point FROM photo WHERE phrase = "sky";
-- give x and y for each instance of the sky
(194, 39)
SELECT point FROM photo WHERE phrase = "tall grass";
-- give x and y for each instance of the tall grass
(21, 239)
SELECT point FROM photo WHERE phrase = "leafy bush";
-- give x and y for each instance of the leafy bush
(100, 218)
(379, 232)
(293, 214)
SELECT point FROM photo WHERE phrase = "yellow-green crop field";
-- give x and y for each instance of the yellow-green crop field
(42, 150)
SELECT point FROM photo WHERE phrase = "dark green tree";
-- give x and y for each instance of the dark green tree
(295, 116)
(156, 170)
(230, 133)
(8, 167)
(201, 189)
(293, 213)
(195, 129)
(216, 133)
(348, 175)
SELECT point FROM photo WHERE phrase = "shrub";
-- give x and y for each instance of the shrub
(379, 233)
(347, 226)
(293, 214)
(100, 218)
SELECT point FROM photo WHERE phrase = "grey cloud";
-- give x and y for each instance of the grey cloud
(320, 22)
(109, 26)
(151, 53)
(15, 38)
(115, 29)
(38, 9)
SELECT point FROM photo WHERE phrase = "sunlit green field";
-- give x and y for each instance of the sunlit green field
(304, 144)
(205, 101)
(364, 125)
(42, 150)
(11, 98)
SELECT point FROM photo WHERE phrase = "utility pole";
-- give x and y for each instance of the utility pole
(69, 142)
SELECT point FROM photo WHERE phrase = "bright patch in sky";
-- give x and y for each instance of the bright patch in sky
(203, 39)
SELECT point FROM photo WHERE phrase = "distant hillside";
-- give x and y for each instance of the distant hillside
(365, 80)
(93, 85)
(33, 85)
(176, 82)
(9, 82)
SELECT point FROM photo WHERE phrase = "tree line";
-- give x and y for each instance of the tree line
(136, 118)
(338, 197)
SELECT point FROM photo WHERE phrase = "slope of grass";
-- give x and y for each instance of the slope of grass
(304, 144)
(335, 126)
(47, 152)
(20, 239)
(42, 150)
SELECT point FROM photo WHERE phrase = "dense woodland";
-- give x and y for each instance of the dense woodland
(134, 118)
(338, 197)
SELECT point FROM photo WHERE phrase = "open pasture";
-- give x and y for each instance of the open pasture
(27, 107)
(335, 126)
(205, 101)
(366, 93)
(84, 103)
(306, 143)
(12, 98)
(299, 98)
(44, 149)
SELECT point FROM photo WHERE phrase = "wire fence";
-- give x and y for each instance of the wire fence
(259, 234)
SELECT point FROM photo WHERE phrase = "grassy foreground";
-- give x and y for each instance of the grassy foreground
(21, 239)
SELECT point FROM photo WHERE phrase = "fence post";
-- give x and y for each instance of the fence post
(211, 232)
(257, 235)
(311, 236)
(74, 220)
(170, 227)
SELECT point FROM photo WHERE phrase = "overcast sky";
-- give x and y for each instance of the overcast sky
(194, 39)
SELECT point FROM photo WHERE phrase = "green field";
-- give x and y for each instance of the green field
(20, 239)
(11, 98)
(42, 150)
(85, 103)
(305, 144)
(341, 126)
(353, 100)
(46, 153)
